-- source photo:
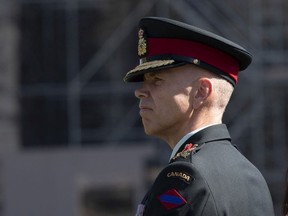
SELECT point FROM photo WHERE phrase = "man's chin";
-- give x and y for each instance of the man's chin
(148, 131)
(151, 132)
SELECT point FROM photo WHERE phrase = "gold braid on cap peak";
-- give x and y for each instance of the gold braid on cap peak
(151, 64)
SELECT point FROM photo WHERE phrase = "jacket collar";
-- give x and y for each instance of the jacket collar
(209, 134)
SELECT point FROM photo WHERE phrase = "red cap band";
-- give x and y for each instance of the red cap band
(202, 52)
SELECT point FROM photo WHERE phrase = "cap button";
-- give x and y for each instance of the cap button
(196, 61)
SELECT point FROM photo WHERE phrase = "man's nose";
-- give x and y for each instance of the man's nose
(141, 91)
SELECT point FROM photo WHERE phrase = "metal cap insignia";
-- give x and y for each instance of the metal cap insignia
(142, 44)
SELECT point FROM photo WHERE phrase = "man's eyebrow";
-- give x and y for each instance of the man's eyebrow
(149, 75)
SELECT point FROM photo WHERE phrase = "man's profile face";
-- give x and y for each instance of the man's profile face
(165, 100)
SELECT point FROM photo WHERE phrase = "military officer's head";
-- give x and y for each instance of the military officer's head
(187, 77)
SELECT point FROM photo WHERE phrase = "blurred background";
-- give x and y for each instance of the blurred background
(72, 143)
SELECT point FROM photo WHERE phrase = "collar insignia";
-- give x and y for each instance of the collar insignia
(189, 148)
(142, 43)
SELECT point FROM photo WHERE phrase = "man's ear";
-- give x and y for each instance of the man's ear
(202, 92)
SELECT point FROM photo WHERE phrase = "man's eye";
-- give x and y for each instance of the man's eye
(158, 81)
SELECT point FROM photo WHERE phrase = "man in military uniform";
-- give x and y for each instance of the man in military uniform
(188, 76)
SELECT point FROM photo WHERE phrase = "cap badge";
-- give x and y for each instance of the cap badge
(142, 44)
